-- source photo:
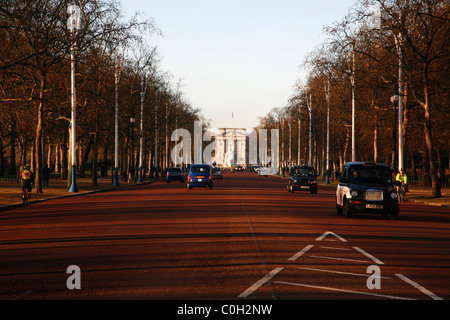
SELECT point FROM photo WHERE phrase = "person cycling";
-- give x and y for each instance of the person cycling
(401, 180)
(27, 179)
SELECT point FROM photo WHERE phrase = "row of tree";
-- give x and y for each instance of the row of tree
(382, 48)
(114, 67)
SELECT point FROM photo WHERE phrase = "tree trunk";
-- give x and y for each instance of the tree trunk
(435, 182)
(38, 139)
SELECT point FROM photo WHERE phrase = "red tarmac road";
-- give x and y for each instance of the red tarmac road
(248, 238)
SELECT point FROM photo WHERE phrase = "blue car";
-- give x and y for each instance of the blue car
(200, 175)
(174, 174)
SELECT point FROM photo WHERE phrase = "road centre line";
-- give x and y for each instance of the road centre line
(260, 282)
(342, 290)
(300, 253)
(419, 287)
(343, 259)
(368, 255)
(346, 273)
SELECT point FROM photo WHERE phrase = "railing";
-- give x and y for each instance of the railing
(418, 181)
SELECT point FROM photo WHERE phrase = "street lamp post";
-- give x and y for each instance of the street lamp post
(394, 100)
(310, 131)
(156, 136)
(141, 137)
(131, 169)
(73, 25)
(400, 108)
(282, 147)
(352, 79)
(116, 126)
(327, 95)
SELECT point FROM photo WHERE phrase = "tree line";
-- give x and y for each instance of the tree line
(381, 50)
(114, 66)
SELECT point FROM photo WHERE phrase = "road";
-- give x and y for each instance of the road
(248, 238)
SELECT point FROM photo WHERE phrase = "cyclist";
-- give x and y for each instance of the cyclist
(401, 180)
(27, 179)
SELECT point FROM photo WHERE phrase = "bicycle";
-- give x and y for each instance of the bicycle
(25, 197)
(400, 192)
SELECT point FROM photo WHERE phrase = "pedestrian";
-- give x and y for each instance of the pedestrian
(46, 174)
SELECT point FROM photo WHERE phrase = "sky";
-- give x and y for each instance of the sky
(237, 59)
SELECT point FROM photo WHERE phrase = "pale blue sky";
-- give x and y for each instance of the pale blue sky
(237, 56)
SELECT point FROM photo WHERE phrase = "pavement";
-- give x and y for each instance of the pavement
(10, 191)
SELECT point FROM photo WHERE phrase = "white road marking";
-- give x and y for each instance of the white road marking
(332, 233)
(368, 255)
(343, 259)
(335, 248)
(300, 253)
(346, 273)
(342, 290)
(419, 287)
(260, 282)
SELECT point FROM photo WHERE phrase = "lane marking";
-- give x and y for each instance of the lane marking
(368, 255)
(300, 253)
(342, 290)
(257, 245)
(260, 282)
(343, 259)
(332, 233)
(335, 248)
(419, 287)
(342, 272)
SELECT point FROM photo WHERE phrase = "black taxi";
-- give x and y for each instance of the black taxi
(366, 187)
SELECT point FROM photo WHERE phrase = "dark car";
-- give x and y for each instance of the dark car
(200, 175)
(217, 173)
(366, 187)
(174, 174)
(302, 178)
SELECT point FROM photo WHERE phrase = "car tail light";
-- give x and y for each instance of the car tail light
(210, 177)
(189, 178)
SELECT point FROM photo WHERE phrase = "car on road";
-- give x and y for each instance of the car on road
(200, 175)
(366, 187)
(217, 173)
(174, 174)
(302, 178)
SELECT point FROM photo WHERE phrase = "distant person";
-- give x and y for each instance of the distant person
(46, 174)
(27, 179)
(355, 176)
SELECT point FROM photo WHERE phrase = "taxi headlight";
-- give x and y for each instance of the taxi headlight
(394, 195)
(354, 193)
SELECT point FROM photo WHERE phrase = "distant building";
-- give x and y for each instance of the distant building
(231, 147)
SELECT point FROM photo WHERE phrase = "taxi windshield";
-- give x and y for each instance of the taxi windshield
(370, 175)
(302, 172)
(200, 169)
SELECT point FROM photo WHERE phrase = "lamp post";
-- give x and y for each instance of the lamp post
(132, 175)
(310, 131)
(116, 126)
(73, 24)
(352, 79)
(141, 138)
(400, 107)
(394, 100)
(156, 136)
(327, 96)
